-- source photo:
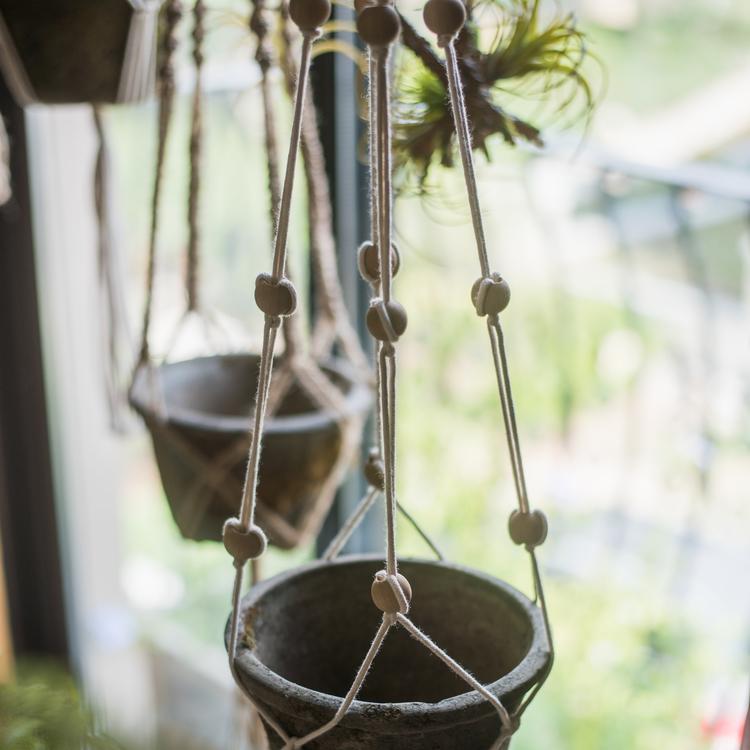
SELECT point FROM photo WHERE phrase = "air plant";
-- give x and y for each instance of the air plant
(509, 56)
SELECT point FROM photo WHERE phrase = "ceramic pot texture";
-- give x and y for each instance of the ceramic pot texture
(307, 631)
(208, 402)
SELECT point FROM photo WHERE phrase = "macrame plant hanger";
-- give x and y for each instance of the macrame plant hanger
(379, 26)
(201, 461)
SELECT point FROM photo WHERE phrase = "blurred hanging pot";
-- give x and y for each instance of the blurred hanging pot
(200, 411)
(410, 700)
(200, 427)
(78, 51)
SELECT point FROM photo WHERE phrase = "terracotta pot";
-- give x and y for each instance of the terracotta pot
(201, 439)
(307, 631)
(74, 51)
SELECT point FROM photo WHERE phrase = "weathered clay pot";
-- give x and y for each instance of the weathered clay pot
(201, 439)
(306, 632)
(70, 51)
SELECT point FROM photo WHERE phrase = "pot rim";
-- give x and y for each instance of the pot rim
(463, 708)
(358, 399)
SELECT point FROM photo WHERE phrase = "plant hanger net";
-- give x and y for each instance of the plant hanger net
(202, 441)
(379, 27)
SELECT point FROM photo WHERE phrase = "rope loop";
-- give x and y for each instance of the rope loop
(490, 294)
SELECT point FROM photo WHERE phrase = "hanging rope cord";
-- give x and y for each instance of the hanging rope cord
(173, 14)
(491, 296)
(196, 148)
(379, 27)
(369, 266)
(276, 297)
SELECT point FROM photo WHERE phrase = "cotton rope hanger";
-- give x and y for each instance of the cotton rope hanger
(332, 321)
(379, 27)
(173, 14)
(295, 364)
(193, 309)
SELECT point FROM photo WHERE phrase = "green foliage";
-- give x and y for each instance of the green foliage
(43, 711)
(624, 677)
(509, 54)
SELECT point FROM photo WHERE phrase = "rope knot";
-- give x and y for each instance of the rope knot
(490, 294)
(386, 321)
(391, 593)
(243, 543)
(528, 528)
(368, 260)
(275, 297)
(374, 470)
(378, 25)
(310, 15)
(445, 18)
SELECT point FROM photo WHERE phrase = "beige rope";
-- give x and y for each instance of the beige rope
(382, 632)
(277, 299)
(332, 322)
(166, 104)
(386, 321)
(491, 308)
(196, 144)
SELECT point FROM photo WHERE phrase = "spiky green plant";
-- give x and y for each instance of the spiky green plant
(511, 56)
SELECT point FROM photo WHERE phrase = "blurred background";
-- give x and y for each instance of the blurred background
(626, 242)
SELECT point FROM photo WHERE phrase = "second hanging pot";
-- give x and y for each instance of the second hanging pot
(199, 413)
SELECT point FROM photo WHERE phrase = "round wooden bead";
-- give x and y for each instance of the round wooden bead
(383, 596)
(275, 297)
(528, 528)
(378, 25)
(445, 17)
(374, 470)
(368, 260)
(309, 14)
(496, 295)
(243, 544)
(396, 315)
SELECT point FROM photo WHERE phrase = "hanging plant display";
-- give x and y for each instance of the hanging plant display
(78, 51)
(510, 55)
(348, 652)
(202, 412)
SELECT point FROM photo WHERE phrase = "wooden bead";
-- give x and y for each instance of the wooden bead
(275, 297)
(444, 17)
(378, 25)
(374, 470)
(368, 260)
(310, 14)
(383, 596)
(243, 544)
(395, 314)
(496, 295)
(528, 528)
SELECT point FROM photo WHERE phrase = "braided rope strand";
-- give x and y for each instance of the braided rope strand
(195, 153)
(166, 104)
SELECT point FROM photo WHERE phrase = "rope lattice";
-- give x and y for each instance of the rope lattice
(378, 25)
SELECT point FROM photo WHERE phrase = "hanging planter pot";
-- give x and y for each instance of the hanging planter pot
(200, 427)
(78, 51)
(306, 631)
(200, 412)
